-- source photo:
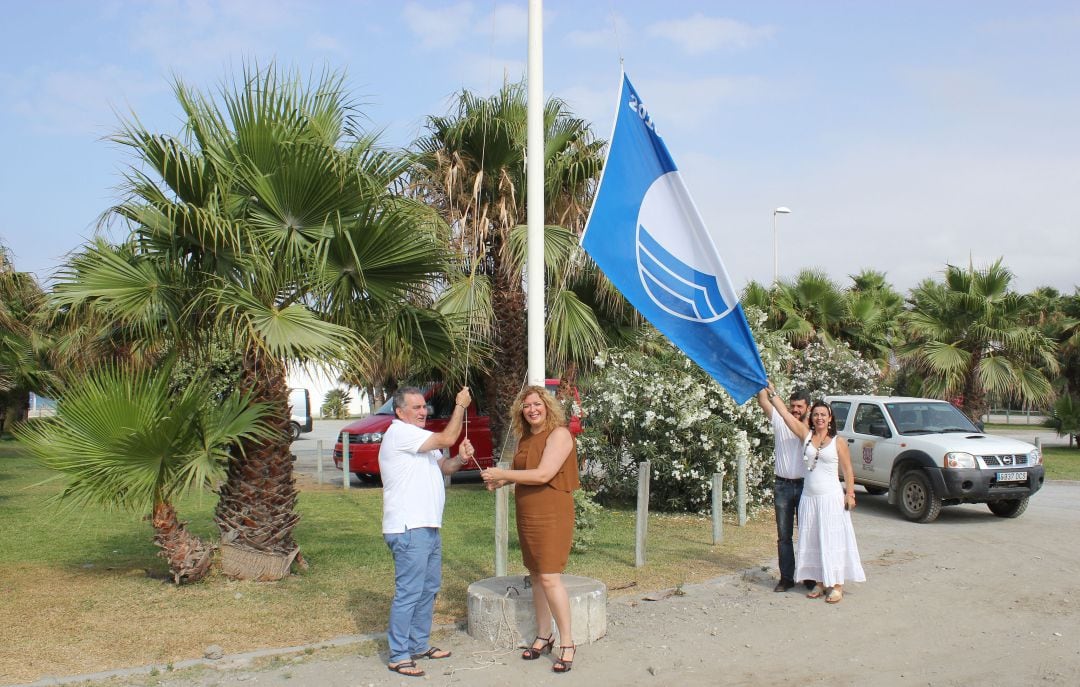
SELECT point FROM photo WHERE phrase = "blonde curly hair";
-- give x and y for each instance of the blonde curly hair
(556, 417)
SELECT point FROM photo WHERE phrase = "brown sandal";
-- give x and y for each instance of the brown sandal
(816, 592)
(406, 668)
(433, 653)
(533, 653)
(561, 664)
(835, 596)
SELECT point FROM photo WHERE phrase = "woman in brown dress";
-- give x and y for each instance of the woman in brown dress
(545, 472)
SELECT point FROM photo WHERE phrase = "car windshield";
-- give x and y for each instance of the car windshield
(928, 417)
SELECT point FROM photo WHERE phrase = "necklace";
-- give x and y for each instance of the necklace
(817, 451)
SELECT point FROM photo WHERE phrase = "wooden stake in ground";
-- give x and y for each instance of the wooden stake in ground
(717, 508)
(644, 474)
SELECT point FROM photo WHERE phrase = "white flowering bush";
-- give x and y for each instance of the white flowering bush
(650, 402)
(823, 369)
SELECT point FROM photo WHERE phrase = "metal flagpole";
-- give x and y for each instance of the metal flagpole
(534, 211)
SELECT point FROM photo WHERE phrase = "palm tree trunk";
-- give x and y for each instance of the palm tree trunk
(189, 557)
(974, 394)
(256, 511)
(370, 391)
(511, 355)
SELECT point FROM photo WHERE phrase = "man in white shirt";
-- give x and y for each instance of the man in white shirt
(412, 467)
(790, 471)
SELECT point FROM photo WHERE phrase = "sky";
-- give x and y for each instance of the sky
(903, 136)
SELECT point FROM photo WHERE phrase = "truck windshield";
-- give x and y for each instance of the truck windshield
(928, 417)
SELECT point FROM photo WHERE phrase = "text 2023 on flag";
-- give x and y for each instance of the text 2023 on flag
(647, 236)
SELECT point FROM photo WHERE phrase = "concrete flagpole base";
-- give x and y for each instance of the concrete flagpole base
(501, 610)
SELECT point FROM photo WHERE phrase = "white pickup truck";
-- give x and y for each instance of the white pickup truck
(927, 454)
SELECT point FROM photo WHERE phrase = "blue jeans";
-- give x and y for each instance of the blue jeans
(417, 577)
(786, 496)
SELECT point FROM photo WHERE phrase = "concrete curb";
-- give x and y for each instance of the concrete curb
(225, 662)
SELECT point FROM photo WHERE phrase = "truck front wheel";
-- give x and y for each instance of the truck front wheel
(917, 501)
(1011, 508)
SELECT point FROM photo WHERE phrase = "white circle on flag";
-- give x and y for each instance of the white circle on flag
(678, 263)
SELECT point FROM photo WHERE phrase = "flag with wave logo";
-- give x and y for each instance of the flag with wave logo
(647, 236)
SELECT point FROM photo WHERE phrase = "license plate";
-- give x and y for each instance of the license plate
(1012, 477)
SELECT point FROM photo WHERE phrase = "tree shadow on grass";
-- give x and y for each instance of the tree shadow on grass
(369, 606)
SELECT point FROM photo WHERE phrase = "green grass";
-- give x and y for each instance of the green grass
(95, 573)
(1018, 423)
(1062, 463)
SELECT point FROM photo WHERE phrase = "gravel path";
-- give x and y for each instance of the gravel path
(970, 599)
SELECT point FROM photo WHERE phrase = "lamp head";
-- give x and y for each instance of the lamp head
(782, 211)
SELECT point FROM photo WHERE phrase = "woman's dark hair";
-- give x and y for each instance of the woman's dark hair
(832, 418)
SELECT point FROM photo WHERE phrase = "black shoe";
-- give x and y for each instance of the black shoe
(532, 653)
(809, 584)
(783, 585)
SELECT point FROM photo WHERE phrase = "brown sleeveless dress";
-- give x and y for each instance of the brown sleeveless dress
(545, 512)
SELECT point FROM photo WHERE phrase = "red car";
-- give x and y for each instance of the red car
(365, 436)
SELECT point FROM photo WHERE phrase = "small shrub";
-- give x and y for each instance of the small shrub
(586, 514)
(650, 402)
(824, 369)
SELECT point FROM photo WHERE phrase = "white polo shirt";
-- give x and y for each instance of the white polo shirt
(413, 491)
(789, 450)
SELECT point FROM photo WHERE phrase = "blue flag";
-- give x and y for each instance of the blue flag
(645, 233)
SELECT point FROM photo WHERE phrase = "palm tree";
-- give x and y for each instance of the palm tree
(336, 404)
(871, 325)
(23, 343)
(809, 308)
(471, 168)
(968, 336)
(1058, 317)
(271, 219)
(125, 439)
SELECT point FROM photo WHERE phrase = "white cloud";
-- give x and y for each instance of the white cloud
(700, 34)
(691, 103)
(326, 43)
(1042, 26)
(595, 105)
(485, 74)
(507, 24)
(906, 210)
(197, 37)
(617, 32)
(76, 102)
(439, 28)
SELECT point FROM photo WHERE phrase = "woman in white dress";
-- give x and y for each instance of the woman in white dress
(827, 552)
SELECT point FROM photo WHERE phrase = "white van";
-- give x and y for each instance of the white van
(300, 411)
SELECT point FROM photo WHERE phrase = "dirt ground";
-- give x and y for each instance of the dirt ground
(970, 599)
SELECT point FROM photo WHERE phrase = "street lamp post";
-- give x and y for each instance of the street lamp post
(775, 244)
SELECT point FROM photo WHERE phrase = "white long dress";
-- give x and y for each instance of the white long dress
(827, 551)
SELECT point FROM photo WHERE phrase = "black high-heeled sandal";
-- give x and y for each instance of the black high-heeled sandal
(561, 664)
(532, 653)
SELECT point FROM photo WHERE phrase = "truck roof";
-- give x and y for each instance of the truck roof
(882, 399)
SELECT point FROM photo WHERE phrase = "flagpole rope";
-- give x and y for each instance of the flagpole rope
(615, 30)
(475, 260)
